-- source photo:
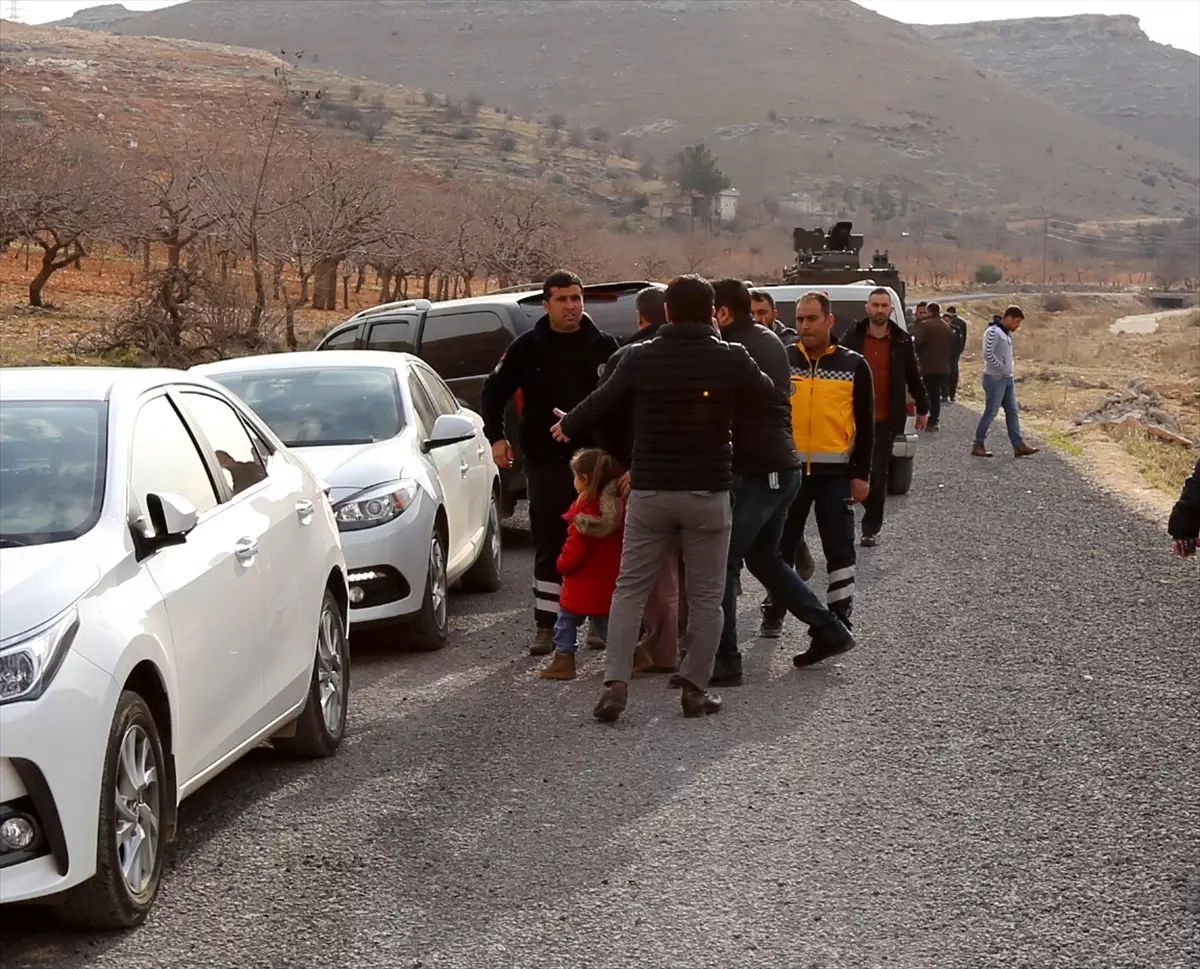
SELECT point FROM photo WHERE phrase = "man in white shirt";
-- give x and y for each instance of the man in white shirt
(999, 388)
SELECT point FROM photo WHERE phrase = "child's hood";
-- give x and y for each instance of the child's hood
(599, 519)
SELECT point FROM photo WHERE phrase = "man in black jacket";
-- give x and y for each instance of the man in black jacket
(762, 308)
(959, 326)
(555, 365)
(1184, 523)
(683, 388)
(893, 359)
(767, 478)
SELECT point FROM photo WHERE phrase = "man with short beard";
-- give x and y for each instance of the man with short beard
(762, 308)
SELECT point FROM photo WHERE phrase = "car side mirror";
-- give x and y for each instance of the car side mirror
(171, 516)
(449, 429)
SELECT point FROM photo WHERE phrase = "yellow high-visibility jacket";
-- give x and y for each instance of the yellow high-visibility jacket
(833, 411)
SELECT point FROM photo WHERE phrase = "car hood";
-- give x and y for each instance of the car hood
(37, 582)
(348, 468)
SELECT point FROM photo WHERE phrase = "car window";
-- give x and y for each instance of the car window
(427, 412)
(443, 398)
(166, 460)
(341, 340)
(395, 335)
(52, 467)
(461, 343)
(229, 439)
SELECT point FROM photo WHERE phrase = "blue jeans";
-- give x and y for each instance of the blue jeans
(566, 629)
(759, 515)
(1000, 392)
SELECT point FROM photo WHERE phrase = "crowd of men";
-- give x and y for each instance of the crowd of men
(733, 427)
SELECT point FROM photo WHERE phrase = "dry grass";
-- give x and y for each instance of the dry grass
(1164, 465)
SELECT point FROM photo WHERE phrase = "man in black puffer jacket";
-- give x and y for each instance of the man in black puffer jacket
(683, 388)
(767, 479)
(1184, 524)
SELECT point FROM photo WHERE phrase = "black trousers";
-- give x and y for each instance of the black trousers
(881, 466)
(829, 496)
(952, 389)
(937, 386)
(550, 486)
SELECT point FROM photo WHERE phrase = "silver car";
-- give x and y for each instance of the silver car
(409, 471)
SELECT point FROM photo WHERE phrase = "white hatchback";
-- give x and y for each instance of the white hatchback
(414, 487)
(172, 593)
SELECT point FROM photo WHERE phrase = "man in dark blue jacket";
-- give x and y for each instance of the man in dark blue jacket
(553, 366)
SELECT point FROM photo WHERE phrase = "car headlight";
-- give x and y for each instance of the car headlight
(28, 665)
(378, 506)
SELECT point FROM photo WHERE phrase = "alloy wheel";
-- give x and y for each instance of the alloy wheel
(331, 680)
(139, 807)
(437, 580)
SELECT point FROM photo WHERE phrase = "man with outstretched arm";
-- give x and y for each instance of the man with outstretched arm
(555, 365)
(683, 388)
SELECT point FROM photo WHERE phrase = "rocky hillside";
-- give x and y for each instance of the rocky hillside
(1103, 67)
(793, 96)
(106, 16)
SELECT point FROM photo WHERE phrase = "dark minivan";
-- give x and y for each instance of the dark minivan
(462, 339)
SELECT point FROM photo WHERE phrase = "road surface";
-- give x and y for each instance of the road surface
(1004, 774)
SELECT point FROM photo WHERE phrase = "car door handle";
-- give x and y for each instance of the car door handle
(304, 510)
(480, 452)
(463, 469)
(245, 549)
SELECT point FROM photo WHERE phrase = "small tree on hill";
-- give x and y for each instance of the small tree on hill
(987, 274)
(697, 172)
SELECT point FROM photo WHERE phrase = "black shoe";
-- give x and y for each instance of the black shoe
(771, 627)
(869, 541)
(832, 640)
(699, 703)
(610, 706)
(727, 670)
(933, 427)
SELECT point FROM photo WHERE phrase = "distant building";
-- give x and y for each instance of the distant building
(725, 205)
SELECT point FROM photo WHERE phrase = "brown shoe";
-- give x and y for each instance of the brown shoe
(543, 642)
(611, 704)
(560, 667)
(698, 703)
(1024, 451)
(979, 451)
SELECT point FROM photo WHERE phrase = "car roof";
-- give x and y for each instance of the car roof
(307, 358)
(845, 291)
(85, 383)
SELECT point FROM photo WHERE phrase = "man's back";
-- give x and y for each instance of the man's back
(762, 436)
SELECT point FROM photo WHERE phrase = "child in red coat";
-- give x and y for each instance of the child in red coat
(591, 556)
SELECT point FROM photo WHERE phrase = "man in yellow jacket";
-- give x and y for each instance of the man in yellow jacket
(833, 424)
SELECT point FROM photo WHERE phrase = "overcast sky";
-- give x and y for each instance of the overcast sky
(1175, 22)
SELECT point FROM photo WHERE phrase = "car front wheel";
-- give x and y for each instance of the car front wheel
(322, 723)
(428, 629)
(131, 834)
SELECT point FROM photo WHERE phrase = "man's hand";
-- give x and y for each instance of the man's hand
(922, 421)
(558, 434)
(624, 485)
(502, 454)
(859, 490)
(1185, 547)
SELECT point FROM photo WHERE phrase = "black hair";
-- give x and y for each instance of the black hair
(819, 297)
(952, 310)
(560, 279)
(880, 291)
(734, 295)
(1014, 312)
(933, 309)
(690, 299)
(650, 304)
(919, 305)
(756, 295)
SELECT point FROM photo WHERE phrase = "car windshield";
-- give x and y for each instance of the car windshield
(52, 460)
(322, 406)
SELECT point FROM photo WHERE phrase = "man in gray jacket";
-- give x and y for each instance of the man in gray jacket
(999, 388)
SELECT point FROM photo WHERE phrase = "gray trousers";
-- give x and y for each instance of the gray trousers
(656, 522)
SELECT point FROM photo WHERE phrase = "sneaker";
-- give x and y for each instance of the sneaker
(543, 642)
(869, 541)
(771, 627)
(1024, 451)
(830, 641)
(979, 451)
(560, 667)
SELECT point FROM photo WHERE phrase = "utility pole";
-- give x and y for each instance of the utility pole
(14, 11)
(1045, 245)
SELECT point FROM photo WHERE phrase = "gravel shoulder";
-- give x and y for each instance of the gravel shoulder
(1004, 774)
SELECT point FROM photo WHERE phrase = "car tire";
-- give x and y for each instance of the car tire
(135, 773)
(322, 723)
(428, 629)
(485, 575)
(900, 476)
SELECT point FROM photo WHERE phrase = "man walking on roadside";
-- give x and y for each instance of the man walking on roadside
(999, 386)
(554, 365)
(833, 426)
(767, 478)
(934, 343)
(894, 371)
(959, 326)
(762, 307)
(684, 388)
(1184, 524)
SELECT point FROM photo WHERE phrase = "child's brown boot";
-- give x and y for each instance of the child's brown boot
(560, 667)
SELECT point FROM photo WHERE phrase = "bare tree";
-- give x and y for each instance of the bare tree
(57, 192)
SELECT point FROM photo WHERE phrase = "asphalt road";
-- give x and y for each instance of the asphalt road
(1005, 773)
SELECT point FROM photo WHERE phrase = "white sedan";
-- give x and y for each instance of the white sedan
(414, 487)
(172, 593)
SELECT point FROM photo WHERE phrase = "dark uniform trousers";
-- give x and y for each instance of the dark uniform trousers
(550, 486)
